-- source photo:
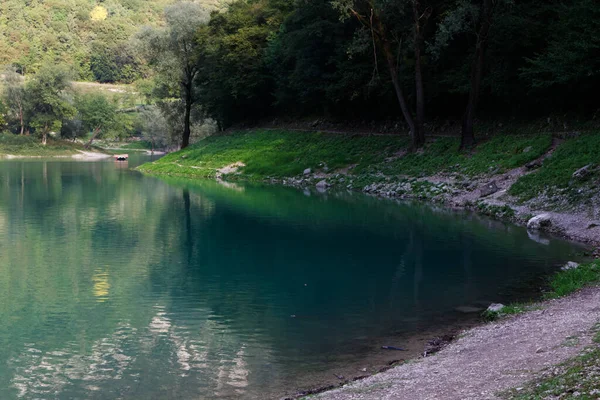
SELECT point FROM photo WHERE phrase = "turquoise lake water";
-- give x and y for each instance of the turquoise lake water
(115, 285)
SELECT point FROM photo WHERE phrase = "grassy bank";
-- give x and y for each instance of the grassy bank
(287, 154)
(561, 284)
(29, 146)
(364, 160)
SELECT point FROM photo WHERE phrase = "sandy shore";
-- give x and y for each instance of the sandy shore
(81, 155)
(491, 358)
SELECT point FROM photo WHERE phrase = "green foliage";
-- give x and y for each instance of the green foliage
(47, 102)
(96, 112)
(235, 81)
(573, 379)
(13, 98)
(281, 154)
(70, 31)
(557, 171)
(569, 281)
(153, 126)
(274, 154)
(501, 152)
(571, 56)
(511, 309)
(138, 145)
(17, 145)
(504, 212)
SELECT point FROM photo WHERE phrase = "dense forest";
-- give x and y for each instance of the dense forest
(91, 36)
(242, 62)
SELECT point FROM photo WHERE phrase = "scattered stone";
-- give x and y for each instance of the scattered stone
(582, 172)
(307, 171)
(495, 307)
(527, 149)
(539, 350)
(438, 343)
(489, 188)
(539, 222)
(535, 236)
(322, 185)
(570, 265)
(533, 164)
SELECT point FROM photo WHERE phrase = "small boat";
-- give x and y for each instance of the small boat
(121, 157)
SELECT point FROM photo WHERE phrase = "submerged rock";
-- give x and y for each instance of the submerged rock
(570, 265)
(539, 222)
(496, 307)
(322, 185)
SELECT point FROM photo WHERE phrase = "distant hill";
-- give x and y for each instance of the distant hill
(89, 35)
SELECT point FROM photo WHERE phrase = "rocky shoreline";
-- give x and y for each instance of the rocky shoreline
(552, 212)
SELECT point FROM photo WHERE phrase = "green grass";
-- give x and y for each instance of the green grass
(29, 146)
(277, 154)
(497, 154)
(575, 379)
(567, 282)
(286, 154)
(560, 284)
(557, 170)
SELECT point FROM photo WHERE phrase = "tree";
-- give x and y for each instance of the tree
(14, 96)
(154, 128)
(377, 17)
(484, 22)
(173, 52)
(47, 102)
(572, 54)
(475, 19)
(96, 114)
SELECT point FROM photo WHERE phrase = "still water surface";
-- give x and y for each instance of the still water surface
(116, 285)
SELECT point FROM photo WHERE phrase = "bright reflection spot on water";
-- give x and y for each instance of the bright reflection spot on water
(114, 285)
(101, 286)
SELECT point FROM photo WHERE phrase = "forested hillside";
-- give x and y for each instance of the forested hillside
(90, 35)
(415, 61)
(413, 65)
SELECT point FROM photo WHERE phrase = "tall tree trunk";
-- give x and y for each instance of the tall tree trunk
(419, 91)
(185, 142)
(485, 22)
(94, 135)
(45, 135)
(21, 119)
(393, 69)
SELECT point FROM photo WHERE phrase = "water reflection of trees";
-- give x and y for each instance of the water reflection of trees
(107, 274)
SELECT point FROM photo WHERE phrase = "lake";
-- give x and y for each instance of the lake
(118, 285)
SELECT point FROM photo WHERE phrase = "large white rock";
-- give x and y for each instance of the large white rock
(570, 265)
(322, 185)
(496, 307)
(539, 222)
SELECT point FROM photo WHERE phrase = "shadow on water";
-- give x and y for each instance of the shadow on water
(121, 285)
